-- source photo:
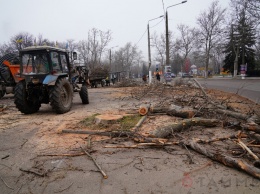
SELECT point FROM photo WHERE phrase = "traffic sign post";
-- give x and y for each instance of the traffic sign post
(167, 73)
(243, 71)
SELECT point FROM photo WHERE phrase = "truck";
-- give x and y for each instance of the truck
(97, 76)
(9, 70)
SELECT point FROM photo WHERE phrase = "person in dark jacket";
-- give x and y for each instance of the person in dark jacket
(158, 77)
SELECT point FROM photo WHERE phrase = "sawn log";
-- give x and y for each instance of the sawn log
(170, 128)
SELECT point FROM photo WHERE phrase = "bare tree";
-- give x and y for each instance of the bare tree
(126, 57)
(187, 41)
(83, 49)
(41, 41)
(97, 42)
(251, 7)
(6, 48)
(22, 40)
(159, 42)
(210, 23)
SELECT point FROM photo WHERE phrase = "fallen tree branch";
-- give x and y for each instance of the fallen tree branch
(226, 160)
(60, 191)
(219, 138)
(6, 183)
(71, 155)
(207, 97)
(247, 149)
(171, 128)
(201, 88)
(140, 122)
(142, 145)
(233, 114)
(97, 165)
(34, 172)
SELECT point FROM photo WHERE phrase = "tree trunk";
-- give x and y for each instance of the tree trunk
(233, 114)
(174, 110)
(170, 128)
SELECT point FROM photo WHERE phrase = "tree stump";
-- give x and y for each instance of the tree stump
(107, 119)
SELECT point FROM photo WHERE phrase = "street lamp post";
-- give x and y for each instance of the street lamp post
(167, 33)
(149, 48)
(110, 56)
(236, 46)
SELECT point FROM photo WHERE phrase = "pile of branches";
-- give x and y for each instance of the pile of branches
(99, 72)
(198, 110)
(193, 110)
(126, 82)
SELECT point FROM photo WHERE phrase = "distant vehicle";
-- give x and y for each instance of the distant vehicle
(173, 75)
(186, 75)
(167, 77)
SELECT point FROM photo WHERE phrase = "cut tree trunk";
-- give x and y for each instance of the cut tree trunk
(170, 128)
(174, 110)
(144, 109)
(233, 114)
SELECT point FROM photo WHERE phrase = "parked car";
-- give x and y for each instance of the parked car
(173, 75)
(186, 75)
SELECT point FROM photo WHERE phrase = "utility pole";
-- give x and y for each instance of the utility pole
(167, 40)
(149, 48)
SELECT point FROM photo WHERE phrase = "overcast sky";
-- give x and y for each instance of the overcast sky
(59, 20)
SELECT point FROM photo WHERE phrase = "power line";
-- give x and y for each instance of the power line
(140, 38)
(146, 31)
(163, 6)
(157, 23)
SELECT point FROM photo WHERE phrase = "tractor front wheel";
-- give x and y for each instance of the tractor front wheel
(61, 96)
(84, 94)
(25, 103)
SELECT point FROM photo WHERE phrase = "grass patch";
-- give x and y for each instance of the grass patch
(88, 121)
(127, 123)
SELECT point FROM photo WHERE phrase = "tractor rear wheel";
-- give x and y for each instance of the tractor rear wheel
(23, 103)
(61, 96)
(84, 95)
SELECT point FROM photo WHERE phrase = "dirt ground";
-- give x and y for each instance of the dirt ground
(36, 157)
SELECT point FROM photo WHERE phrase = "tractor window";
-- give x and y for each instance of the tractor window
(35, 63)
(64, 62)
(41, 63)
(55, 62)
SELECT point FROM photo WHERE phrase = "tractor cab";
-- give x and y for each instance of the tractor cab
(40, 61)
(45, 74)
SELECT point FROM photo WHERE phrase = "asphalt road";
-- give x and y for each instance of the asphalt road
(249, 88)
